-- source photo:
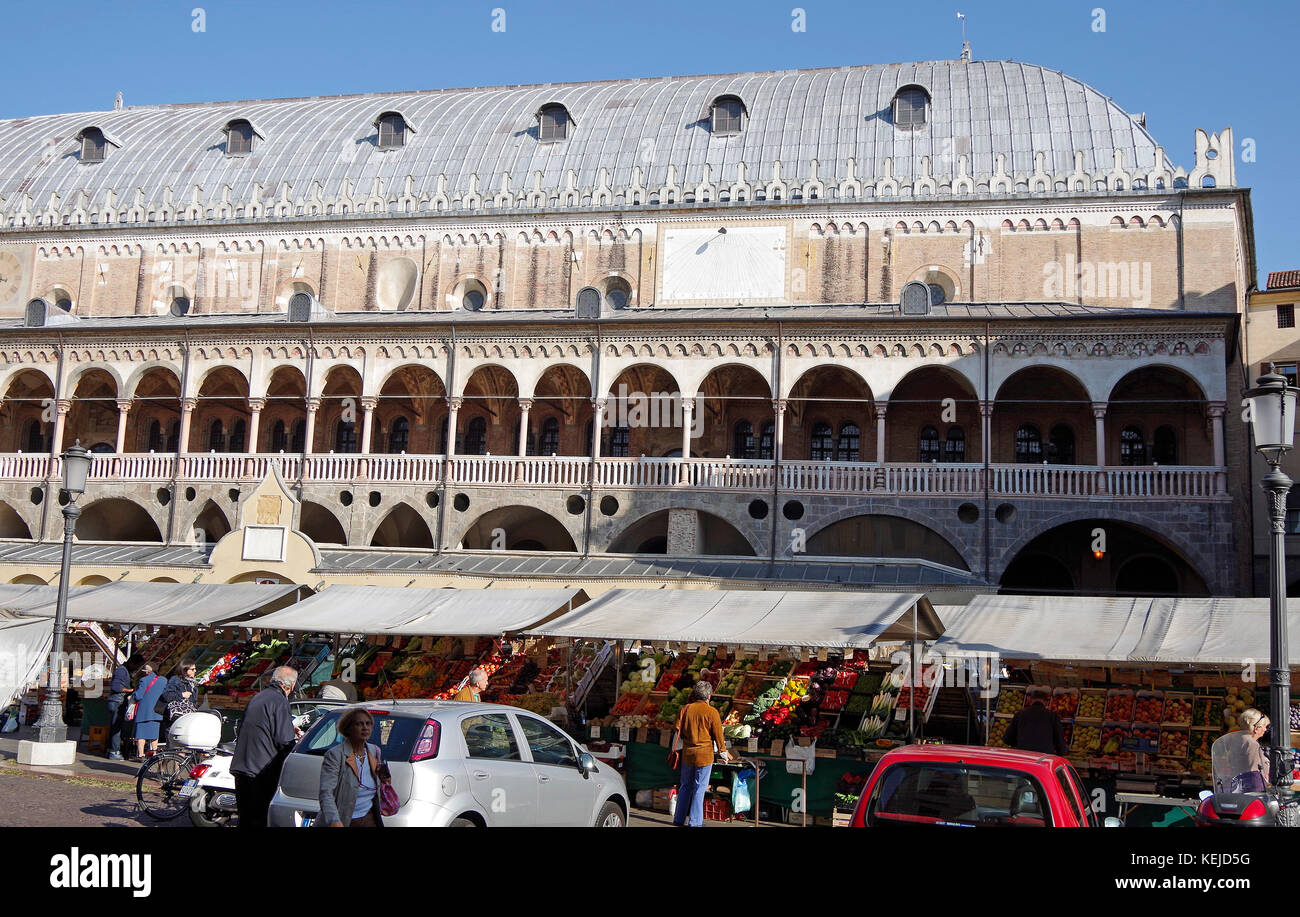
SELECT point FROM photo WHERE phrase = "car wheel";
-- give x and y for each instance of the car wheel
(611, 816)
(462, 823)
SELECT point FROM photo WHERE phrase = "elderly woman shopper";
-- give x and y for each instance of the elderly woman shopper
(148, 691)
(180, 694)
(351, 775)
(699, 729)
(1238, 753)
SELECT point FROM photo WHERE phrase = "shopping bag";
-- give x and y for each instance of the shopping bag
(741, 796)
(388, 801)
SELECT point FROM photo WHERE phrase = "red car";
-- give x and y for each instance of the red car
(973, 786)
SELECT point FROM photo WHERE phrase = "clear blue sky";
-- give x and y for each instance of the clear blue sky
(1186, 64)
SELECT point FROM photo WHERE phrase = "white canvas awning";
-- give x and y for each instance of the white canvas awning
(24, 650)
(15, 598)
(777, 618)
(1065, 628)
(445, 612)
(1225, 632)
(176, 604)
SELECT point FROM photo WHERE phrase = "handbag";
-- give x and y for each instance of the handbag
(179, 708)
(674, 759)
(388, 801)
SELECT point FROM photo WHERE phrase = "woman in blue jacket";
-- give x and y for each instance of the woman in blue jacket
(147, 694)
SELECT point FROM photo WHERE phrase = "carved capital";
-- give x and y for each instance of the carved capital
(313, 405)
(256, 405)
(1099, 410)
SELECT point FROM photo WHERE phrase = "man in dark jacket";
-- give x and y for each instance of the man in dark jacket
(1036, 728)
(118, 689)
(266, 735)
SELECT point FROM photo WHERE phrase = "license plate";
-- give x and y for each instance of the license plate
(306, 822)
(189, 789)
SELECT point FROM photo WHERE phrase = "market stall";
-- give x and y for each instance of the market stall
(803, 680)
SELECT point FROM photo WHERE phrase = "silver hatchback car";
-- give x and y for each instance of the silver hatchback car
(464, 765)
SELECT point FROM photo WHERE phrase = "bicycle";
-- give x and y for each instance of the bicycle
(159, 781)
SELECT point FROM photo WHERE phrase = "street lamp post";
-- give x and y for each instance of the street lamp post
(1272, 418)
(50, 728)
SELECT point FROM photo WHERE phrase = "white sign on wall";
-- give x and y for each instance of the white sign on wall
(706, 265)
(264, 542)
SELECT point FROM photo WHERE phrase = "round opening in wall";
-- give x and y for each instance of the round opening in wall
(608, 506)
(575, 505)
(346, 498)
(164, 496)
(792, 510)
(375, 498)
(190, 494)
(968, 513)
(63, 497)
(233, 494)
(431, 498)
(38, 496)
(1005, 513)
(758, 509)
(460, 503)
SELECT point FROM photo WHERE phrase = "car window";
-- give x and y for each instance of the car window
(1084, 796)
(1068, 790)
(489, 735)
(956, 794)
(548, 744)
(395, 735)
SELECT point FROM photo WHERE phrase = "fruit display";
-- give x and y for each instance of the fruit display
(997, 731)
(1235, 702)
(1148, 707)
(1174, 743)
(1086, 739)
(1178, 710)
(1112, 737)
(1065, 701)
(1144, 738)
(1010, 699)
(1201, 762)
(1119, 705)
(1092, 706)
(1208, 712)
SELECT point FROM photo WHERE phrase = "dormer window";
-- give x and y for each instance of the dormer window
(911, 107)
(93, 145)
(239, 137)
(728, 115)
(392, 130)
(553, 122)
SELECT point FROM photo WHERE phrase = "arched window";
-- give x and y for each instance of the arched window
(619, 439)
(911, 105)
(929, 444)
(1060, 445)
(298, 442)
(174, 437)
(1029, 444)
(553, 122)
(728, 115)
(238, 433)
(766, 441)
(617, 293)
(33, 437)
(954, 447)
(399, 435)
(1132, 446)
(550, 444)
(587, 436)
(1165, 447)
(392, 130)
(93, 145)
(216, 437)
(821, 446)
(473, 296)
(743, 441)
(846, 447)
(155, 436)
(239, 137)
(475, 437)
(345, 436)
(279, 437)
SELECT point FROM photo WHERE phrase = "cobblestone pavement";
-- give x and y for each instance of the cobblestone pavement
(29, 800)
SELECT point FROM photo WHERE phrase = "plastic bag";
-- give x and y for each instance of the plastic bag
(742, 798)
(796, 753)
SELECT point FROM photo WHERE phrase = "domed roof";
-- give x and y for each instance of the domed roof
(978, 111)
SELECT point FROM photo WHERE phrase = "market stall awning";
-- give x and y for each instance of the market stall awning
(777, 618)
(1066, 628)
(24, 649)
(14, 599)
(176, 604)
(445, 612)
(1221, 631)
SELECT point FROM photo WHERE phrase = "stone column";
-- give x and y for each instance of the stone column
(309, 431)
(986, 431)
(123, 408)
(368, 405)
(597, 424)
(255, 406)
(1216, 410)
(187, 414)
(1099, 414)
(525, 405)
(453, 409)
(881, 410)
(778, 444)
(688, 410)
(61, 409)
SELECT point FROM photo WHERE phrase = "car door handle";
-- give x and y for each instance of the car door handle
(481, 775)
(543, 778)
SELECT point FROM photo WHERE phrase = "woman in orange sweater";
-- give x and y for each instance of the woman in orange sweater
(699, 727)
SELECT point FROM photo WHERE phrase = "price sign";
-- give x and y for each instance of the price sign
(624, 733)
(900, 713)
(753, 746)
(595, 732)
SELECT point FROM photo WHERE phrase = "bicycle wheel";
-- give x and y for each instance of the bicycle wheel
(157, 787)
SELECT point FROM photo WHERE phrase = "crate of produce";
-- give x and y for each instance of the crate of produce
(1207, 711)
(867, 683)
(1010, 699)
(1086, 739)
(1142, 738)
(1174, 743)
(1178, 709)
(1119, 705)
(1148, 706)
(1092, 704)
(998, 730)
(1065, 702)
(1113, 736)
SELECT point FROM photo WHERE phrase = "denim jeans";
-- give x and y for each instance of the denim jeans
(116, 719)
(690, 795)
